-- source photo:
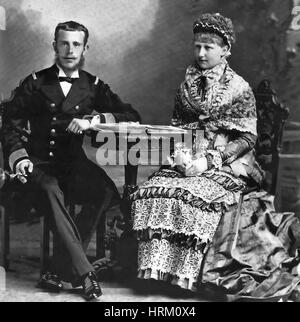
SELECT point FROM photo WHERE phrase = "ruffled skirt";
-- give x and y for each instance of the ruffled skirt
(175, 218)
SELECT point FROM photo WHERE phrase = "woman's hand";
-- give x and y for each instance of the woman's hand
(182, 160)
(196, 167)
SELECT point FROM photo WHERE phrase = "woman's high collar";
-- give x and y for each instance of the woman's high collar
(212, 75)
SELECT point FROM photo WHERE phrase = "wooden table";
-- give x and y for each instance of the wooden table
(146, 146)
(132, 147)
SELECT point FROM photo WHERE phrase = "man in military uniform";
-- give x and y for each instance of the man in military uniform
(60, 103)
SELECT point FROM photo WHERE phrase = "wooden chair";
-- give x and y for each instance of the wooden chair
(271, 117)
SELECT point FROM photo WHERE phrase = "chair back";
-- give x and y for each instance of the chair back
(271, 117)
(25, 133)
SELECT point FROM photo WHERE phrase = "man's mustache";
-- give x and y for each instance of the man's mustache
(79, 66)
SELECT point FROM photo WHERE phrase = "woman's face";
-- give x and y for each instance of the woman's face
(208, 52)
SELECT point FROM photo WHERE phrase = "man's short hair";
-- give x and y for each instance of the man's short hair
(72, 26)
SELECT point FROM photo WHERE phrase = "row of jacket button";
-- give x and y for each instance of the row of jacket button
(52, 142)
(52, 105)
(53, 131)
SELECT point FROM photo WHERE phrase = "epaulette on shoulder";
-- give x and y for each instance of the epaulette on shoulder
(33, 74)
(96, 80)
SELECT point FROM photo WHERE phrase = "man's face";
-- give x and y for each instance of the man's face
(69, 48)
(208, 54)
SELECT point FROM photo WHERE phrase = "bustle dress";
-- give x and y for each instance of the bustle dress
(193, 231)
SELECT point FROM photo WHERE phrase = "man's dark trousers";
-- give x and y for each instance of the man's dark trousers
(53, 187)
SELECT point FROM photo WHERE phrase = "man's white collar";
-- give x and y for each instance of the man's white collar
(61, 73)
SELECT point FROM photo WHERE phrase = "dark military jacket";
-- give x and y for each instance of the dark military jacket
(40, 100)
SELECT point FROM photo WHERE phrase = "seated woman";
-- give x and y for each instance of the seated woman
(187, 216)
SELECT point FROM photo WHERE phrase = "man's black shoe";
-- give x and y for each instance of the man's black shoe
(91, 287)
(50, 282)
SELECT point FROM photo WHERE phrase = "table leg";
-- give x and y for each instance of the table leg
(129, 187)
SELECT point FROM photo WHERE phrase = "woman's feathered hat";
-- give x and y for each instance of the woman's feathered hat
(216, 23)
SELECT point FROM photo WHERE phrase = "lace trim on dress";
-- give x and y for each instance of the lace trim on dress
(179, 194)
(185, 283)
(199, 187)
(181, 239)
(227, 180)
(164, 257)
(175, 216)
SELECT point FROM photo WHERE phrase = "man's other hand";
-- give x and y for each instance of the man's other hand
(22, 168)
(77, 126)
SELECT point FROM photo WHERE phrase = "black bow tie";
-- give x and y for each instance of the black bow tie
(66, 79)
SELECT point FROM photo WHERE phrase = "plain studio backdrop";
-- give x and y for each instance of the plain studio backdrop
(141, 48)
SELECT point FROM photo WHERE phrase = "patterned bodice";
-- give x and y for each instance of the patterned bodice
(228, 104)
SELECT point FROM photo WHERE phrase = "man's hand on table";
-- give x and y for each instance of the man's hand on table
(77, 126)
